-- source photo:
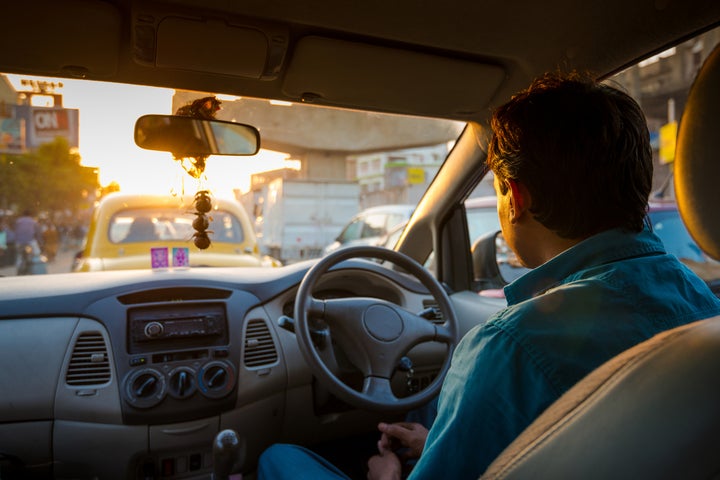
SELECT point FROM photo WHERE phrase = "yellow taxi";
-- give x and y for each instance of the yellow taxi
(154, 231)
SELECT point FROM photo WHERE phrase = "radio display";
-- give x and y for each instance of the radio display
(185, 326)
(166, 327)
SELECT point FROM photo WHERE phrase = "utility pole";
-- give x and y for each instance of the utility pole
(40, 88)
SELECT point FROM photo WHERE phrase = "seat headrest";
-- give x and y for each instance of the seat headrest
(697, 158)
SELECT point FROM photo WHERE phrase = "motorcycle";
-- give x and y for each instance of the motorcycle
(31, 261)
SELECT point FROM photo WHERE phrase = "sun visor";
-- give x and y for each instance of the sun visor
(339, 72)
(85, 44)
(209, 45)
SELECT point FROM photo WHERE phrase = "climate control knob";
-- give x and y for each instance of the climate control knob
(216, 379)
(182, 383)
(145, 388)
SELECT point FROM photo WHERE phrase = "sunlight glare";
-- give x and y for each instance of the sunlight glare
(107, 119)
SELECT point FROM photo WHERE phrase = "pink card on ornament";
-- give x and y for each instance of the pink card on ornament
(159, 257)
(181, 257)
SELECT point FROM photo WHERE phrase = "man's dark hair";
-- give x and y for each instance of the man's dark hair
(581, 148)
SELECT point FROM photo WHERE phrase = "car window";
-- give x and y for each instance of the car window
(660, 84)
(481, 209)
(226, 227)
(353, 231)
(668, 225)
(126, 228)
(142, 225)
(481, 220)
(374, 225)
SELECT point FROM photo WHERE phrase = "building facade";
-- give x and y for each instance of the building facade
(399, 176)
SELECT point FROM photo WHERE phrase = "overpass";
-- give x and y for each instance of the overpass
(299, 130)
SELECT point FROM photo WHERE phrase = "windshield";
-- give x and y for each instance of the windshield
(68, 148)
(67, 145)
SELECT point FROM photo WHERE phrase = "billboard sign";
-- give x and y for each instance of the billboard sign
(12, 135)
(416, 175)
(50, 122)
(43, 124)
(668, 136)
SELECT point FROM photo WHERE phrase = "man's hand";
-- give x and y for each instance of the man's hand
(402, 440)
(410, 437)
(385, 466)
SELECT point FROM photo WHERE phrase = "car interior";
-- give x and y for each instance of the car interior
(192, 373)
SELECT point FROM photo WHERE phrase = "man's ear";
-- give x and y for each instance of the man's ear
(518, 198)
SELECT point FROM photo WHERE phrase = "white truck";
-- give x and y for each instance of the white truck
(295, 219)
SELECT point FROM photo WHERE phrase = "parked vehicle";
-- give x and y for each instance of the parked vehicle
(371, 226)
(295, 219)
(137, 373)
(667, 223)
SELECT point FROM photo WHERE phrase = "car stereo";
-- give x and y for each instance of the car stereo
(152, 329)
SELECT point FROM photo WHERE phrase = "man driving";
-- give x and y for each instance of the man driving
(573, 172)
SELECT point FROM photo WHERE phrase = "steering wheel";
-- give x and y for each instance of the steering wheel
(374, 334)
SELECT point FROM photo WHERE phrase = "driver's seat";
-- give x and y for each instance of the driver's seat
(653, 411)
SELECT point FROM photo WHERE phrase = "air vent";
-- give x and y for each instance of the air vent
(435, 315)
(259, 346)
(89, 364)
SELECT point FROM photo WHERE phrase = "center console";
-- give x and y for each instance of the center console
(179, 356)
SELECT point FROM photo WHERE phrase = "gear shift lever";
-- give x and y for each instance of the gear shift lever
(227, 452)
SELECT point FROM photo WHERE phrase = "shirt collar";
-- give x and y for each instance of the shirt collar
(606, 247)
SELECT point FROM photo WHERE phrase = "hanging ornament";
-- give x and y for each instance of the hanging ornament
(202, 108)
(203, 205)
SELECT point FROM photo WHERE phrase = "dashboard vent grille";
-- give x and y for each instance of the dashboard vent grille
(89, 363)
(435, 316)
(259, 346)
(175, 294)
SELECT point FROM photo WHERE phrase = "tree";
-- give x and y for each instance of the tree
(50, 179)
(109, 188)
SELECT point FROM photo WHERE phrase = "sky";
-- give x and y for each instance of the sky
(107, 119)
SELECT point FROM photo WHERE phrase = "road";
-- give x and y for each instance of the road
(61, 264)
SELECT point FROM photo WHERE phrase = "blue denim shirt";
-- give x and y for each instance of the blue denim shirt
(564, 319)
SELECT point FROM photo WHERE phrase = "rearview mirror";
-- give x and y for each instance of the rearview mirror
(188, 137)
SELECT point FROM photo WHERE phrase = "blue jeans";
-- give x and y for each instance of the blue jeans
(283, 461)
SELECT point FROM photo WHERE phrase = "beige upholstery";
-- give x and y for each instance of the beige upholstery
(651, 412)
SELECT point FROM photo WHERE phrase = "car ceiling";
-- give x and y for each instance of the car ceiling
(466, 56)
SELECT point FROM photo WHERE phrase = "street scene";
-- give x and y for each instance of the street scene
(62, 263)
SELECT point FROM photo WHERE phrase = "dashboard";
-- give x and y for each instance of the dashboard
(132, 374)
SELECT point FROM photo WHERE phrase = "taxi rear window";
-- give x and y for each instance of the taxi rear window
(142, 225)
